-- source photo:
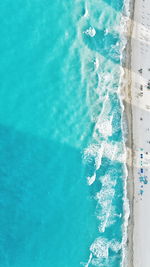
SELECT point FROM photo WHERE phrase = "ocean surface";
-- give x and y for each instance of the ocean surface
(62, 172)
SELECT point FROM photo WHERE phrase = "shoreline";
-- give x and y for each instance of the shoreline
(128, 121)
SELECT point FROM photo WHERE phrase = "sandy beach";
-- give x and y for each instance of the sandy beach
(138, 146)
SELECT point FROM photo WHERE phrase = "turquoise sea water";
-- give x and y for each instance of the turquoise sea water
(61, 144)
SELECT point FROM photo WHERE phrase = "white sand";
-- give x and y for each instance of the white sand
(140, 59)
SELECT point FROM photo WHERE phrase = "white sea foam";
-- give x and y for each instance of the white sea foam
(91, 32)
(115, 245)
(95, 151)
(106, 218)
(114, 150)
(104, 121)
(86, 14)
(107, 180)
(108, 76)
(96, 63)
(105, 127)
(104, 199)
(89, 261)
(100, 248)
(91, 179)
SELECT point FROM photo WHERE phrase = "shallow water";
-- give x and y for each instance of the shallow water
(60, 129)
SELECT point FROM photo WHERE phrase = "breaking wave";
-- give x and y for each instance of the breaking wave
(105, 156)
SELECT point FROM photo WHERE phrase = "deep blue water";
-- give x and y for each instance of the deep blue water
(60, 125)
